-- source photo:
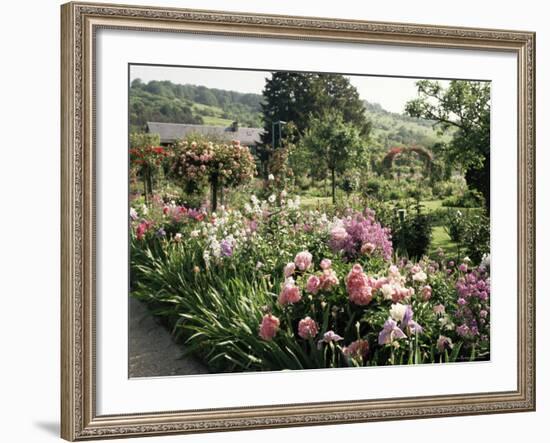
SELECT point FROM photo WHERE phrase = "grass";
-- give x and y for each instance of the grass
(216, 121)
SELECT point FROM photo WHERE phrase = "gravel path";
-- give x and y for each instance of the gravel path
(152, 352)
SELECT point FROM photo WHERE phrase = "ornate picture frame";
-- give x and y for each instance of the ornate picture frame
(80, 22)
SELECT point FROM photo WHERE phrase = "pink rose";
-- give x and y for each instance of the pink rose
(325, 263)
(303, 260)
(269, 327)
(358, 286)
(307, 328)
(313, 284)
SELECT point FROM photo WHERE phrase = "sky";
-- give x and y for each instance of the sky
(392, 93)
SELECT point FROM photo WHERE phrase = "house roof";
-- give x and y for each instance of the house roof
(171, 132)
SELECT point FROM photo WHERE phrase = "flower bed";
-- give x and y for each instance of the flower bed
(275, 287)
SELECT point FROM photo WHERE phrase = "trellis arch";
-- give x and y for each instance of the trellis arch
(425, 154)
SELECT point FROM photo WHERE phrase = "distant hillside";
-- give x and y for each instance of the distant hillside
(164, 101)
(392, 129)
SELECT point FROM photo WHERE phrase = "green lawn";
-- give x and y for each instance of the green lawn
(216, 121)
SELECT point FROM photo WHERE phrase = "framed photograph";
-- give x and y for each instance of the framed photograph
(277, 221)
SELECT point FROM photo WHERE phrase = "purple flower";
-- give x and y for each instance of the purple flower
(390, 332)
(161, 233)
(409, 323)
(359, 233)
(328, 337)
(226, 246)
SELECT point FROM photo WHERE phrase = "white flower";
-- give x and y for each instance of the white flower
(271, 198)
(254, 200)
(271, 177)
(178, 237)
(387, 291)
(486, 260)
(194, 234)
(144, 209)
(283, 193)
(133, 214)
(420, 276)
(467, 260)
(397, 311)
(259, 265)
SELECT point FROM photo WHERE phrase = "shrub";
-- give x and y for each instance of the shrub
(476, 236)
(412, 231)
(469, 199)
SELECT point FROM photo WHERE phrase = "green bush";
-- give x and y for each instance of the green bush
(411, 231)
(477, 236)
(469, 199)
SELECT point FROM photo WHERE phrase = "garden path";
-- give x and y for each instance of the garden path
(152, 352)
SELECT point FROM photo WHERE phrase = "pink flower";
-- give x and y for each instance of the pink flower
(290, 294)
(289, 270)
(357, 349)
(303, 260)
(444, 343)
(328, 279)
(269, 327)
(463, 267)
(439, 309)
(307, 328)
(426, 292)
(367, 248)
(338, 234)
(313, 284)
(357, 284)
(328, 337)
(325, 263)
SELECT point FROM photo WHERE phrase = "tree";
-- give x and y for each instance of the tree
(218, 165)
(464, 106)
(146, 157)
(334, 143)
(296, 98)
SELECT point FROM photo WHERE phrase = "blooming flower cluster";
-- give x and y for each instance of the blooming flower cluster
(360, 234)
(473, 289)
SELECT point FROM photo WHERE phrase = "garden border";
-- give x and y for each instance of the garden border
(80, 21)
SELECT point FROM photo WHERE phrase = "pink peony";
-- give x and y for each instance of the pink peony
(290, 294)
(328, 279)
(313, 284)
(303, 260)
(325, 263)
(269, 327)
(358, 286)
(426, 292)
(307, 328)
(357, 349)
(367, 248)
(289, 270)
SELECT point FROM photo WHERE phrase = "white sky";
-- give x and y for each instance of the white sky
(390, 92)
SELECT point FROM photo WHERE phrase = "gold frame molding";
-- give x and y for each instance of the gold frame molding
(79, 22)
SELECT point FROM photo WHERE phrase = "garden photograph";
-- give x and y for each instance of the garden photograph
(284, 220)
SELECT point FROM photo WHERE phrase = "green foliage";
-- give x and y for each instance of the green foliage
(411, 231)
(468, 199)
(334, 144)
(465, 107)
(164, 101)
(477, 236)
